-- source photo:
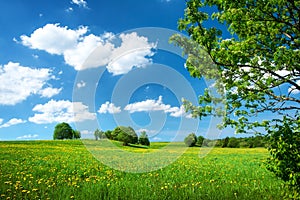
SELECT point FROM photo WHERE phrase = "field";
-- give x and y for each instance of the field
(67, 170)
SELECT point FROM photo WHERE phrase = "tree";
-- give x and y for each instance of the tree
(200, 140)
(285, 153)
(190, 140)
(143, 139)
(225, 142)
(233, 142)
(63, 131)
(108, 134)
(76, 134)
(256, 71)
(125, 134)
(99, 134)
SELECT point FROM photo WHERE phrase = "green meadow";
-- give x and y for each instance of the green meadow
(67, 170)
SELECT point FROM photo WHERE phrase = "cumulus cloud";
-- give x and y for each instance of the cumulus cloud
(19, 82)
(156, 105)
(28, 137)
(81, 84)
(133, 52)
(11, 122)
(49, 92)
(61, 111)
(86, 132)
(293, 89)
(110, 108)
(83, 51)
(53, 39)
(147, 106)
(81, 3)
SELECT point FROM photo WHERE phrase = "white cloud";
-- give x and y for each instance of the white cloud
(49, 92)
(61, 111)
(156, 139)
(81, 3)
(1, 121)
(11, 122)
(86, 132)
(53, 39)
(147, 106)
(133, 52)
(177, 112)
(28, 137)
(109, 108)
(83, 51)
(77, 56)
(18, 83)
(35, 56)
(156, 105)
(70, 9)
(293, 89)
(81, 84)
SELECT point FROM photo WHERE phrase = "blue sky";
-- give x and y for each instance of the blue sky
(95, 64)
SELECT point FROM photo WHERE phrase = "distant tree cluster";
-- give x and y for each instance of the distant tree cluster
(231, 142)
(127, 135)
(64, 131)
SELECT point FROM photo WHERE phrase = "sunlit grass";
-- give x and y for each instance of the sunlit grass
(67, 170)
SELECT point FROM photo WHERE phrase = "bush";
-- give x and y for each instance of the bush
(225, 142)
(233, 142)
(143, 139)
(200, 140)
(190, 140)
(124, 134)
(284, 162)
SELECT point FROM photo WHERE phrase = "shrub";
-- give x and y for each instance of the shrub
(190, 140)
(233, 143)
(284, 162)
(200, 140)
(143, 139)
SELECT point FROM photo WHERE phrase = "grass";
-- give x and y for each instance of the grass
(67, 170)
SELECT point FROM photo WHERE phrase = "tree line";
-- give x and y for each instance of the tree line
(127, 135)
(231, 142)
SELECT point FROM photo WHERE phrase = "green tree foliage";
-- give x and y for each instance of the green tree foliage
(285, 159)
(76, 134)
(99, 134)
(225, 142)
(143, 139)
(108, 134)
(252, 66)
(233, 143)
(200, 140)
(257, 70)
(63, 131)
(190, 140)
(125, 134)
